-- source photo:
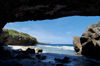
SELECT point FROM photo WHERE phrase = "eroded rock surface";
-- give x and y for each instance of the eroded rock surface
(77, 45)
(22, 10)
(90, 41)
(12, 37)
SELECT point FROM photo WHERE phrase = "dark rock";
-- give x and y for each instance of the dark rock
(5, 54)
(30, 51)
(22, 54)
(39, 50)
(90, 42)
(38, 56)
(9, 63)
(64, 60)
(43, 57)
(59, 65)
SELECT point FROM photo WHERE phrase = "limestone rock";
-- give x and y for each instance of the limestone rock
(91, 47)
(77, 44)
(90, 42)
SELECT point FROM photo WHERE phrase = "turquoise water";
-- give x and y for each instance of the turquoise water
(57, 48)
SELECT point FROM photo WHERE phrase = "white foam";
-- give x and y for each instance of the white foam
(61, 47)
(21, 47)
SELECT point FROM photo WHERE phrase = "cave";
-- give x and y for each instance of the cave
(23, 10)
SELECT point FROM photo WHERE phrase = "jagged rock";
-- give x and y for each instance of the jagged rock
(77, 44)
(91, 46)
(90, 41)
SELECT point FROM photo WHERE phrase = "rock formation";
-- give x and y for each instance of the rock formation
(22, 10)
(89, 42)
(12, 37)
(77, 45)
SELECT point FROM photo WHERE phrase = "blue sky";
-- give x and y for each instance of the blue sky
(53, 31)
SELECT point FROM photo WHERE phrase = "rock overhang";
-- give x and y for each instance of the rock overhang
(24, 10)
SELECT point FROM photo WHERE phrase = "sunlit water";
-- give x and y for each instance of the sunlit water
(57, 48)
(51, 48)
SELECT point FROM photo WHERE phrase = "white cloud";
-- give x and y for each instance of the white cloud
(68, 33)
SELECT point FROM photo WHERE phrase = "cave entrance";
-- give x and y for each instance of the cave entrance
(56, 31)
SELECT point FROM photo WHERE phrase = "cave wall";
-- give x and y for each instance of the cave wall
(23, 10)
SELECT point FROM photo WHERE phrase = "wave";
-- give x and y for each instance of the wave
(60, 47)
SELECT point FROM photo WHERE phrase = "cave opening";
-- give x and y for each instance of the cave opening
(55, 31)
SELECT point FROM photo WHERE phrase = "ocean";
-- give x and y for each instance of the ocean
(50, 48)
(57, 48)
(52, 51)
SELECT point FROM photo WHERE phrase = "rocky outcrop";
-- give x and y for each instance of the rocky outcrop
(23, 10)
(77, 45)
(12, 37)
(90, 42)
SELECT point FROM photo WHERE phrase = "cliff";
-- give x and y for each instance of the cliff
(89, 43)
(12, 37)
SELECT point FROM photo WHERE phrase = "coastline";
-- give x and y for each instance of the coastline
(74, 60)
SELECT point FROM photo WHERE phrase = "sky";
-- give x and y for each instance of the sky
(55, 31)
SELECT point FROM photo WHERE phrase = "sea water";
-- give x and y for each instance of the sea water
(57, 48)
(61, 50)
(50, 48)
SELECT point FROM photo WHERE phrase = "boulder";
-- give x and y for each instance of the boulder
(39, 50)
(30, 51)
(89, 42)
(91, 46)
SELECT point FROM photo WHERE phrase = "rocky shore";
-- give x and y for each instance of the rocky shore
(27, 57)
(12, 37)
(32, 57)
(89, 43)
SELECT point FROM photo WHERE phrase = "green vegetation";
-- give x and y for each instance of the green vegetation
(15, 37)
(16, 33)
